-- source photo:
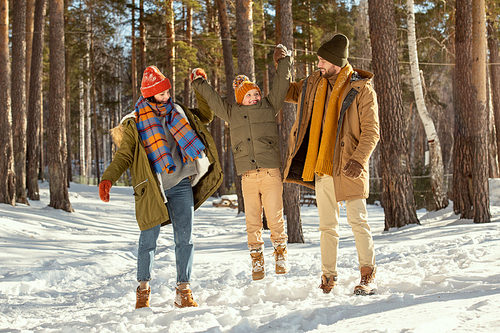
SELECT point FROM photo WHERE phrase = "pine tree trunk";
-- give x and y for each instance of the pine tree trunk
(30, 16)
(132, 57)
(439, 197)
(495, 78)
(244, 38)
(88, 120)
(398, 199)
(291, 200)
(142, 37)
(81, 106)
(36, 101)
(69, 171)
(481, 118)
(189, 38)
(59, 197)
(464, 107)
(226, 50)
(18, 91)
(94, 109)
(170, 16)
(7, 178)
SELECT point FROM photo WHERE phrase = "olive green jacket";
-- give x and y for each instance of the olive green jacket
(150, 208)
(254, 134)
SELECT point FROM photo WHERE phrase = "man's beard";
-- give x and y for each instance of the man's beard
(327, 74)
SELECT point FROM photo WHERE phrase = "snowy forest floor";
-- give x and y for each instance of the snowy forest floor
(76, 272)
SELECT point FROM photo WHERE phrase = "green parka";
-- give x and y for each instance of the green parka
(150, 209)
(254, 134)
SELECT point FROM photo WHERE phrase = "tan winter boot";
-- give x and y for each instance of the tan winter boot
(184, 298)
(367, 285)
(281, 257)
(258, 272)
(327, 284)
(142, 298)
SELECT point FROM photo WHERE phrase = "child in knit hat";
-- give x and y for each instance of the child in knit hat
(255, 146)
(168, 151)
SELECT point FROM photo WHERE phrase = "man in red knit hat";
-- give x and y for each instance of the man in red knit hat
(168, 151)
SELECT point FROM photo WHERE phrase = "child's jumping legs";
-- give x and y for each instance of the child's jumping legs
(264, 188)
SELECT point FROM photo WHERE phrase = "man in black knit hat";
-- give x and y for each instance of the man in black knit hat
(336, 130)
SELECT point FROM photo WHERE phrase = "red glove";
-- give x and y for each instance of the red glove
(352, 169)
(104, 187)
(197, 72)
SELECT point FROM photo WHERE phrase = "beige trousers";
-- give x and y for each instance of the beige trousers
(357, 217)
(263, 188)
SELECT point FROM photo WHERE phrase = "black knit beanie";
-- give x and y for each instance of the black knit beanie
(336, 50)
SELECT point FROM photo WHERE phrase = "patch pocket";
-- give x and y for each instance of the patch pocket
(140, 189)
(348, 146)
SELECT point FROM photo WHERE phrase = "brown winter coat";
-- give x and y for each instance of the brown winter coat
(357, 136)
(150, 208)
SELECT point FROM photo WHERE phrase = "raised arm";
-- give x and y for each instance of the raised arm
(219, 106)
(281, 80)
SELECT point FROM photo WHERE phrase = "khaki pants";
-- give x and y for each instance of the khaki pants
(263, 188)
(357, 217)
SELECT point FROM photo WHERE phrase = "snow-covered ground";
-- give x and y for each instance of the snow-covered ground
(75, 272)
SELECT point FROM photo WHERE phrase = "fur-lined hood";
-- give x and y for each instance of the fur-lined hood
(117, 132)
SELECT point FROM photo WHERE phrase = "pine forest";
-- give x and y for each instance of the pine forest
(70, 70)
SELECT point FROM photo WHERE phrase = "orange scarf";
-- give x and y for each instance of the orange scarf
(319, 158)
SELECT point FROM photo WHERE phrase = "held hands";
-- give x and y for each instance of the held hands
(104, 187)
(280, 52)
(352, 169)
(196, 73)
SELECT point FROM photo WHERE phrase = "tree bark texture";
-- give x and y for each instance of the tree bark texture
(18, 91)
(170, 16)
(481, 118)
(227, 50)
(189, 40)
(291, 200)
(59, 197)
(7, 178)
(495, 78)
(36, 104)
(439, 197)
(30, 17)
(397, 197)
(244, 38)
(133, 59)
(142, 37)
(463, 200)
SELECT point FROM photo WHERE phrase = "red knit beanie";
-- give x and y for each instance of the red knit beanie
(241, 86)
(153, 82)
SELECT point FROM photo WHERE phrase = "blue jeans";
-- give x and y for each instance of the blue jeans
(180, 207)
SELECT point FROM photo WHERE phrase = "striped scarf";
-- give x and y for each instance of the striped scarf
(319, 158)
(153, 135)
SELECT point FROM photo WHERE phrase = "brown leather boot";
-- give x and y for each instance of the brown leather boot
(184, 298)
(367, 285)
(281, 257)
(327, 284)
(142, 298)
(258, 272)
